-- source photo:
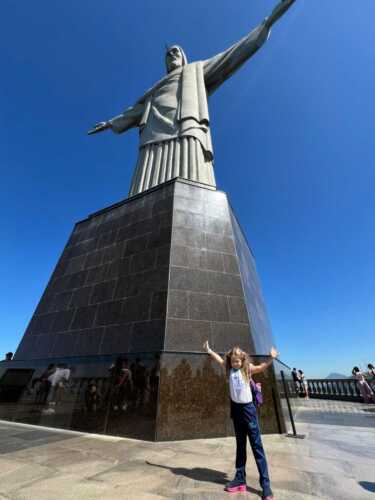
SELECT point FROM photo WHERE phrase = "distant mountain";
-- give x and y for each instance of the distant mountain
(336, 375)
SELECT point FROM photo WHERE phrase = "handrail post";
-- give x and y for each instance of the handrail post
(294, 435)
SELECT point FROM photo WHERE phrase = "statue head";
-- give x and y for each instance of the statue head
(175, 58)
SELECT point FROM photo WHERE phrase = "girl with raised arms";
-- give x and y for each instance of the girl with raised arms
(239, 370)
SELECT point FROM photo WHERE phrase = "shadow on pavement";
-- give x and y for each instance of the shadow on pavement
(202, 474)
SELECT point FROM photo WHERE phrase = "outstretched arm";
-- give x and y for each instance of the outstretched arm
(278, 11)
(128, 119)
(213, 354)
(222, 66)
(263, 366)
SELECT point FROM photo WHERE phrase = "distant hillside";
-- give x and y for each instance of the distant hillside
(336, 375)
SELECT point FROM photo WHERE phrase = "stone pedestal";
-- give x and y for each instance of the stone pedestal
(148, 279)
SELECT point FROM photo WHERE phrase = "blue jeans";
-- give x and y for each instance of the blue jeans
(245, 423)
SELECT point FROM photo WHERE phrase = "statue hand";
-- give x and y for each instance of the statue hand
(99, 127)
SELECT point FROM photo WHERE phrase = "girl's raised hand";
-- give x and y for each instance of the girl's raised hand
(206, 347)
(273, 353)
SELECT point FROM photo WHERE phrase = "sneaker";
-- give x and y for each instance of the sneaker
(239, 482)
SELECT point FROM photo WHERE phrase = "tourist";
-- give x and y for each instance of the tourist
(364, 388)
(44, 385)
(243, 412)
(371, 372)
(296, 379)
(8, 356)
(121, 383)
(303, 384)
(92, 397)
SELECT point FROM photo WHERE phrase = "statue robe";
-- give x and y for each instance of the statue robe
(173, 119)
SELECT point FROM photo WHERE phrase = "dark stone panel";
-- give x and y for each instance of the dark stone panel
(107, 238)
(156, 280)
(225, 284)
(130, 286)
(62, 321)
(198, 306)
(159, 237)
(237, 310)
(137, 229)
(136, 308)
(97, 274)
(187, 236)
(61, 267)
(136, 245)
(81, 297)
(220, 243)
(94, 259)
(159, 305)
(188, 257)
(148, 336)
(186, 335)
(113, 252)
(43, 323)
(84, 318)
(110, 313)
(77, 280)
(164, 205)
(88, 341)
(214, 261)
(178, 305)
(61, 301)
(116, 339)
(188, 279)
(218, 308)
(43, 345)
(226, 335)
(64, 344)
(193, 398)
(230, 264)
(186, 205)
(83, 248)
(218, 226)
(46, 303)
(208, 307)
(103, 292)
(163, 256)
(76, 265)
(189, 219)
(143, 261)
(60, 284)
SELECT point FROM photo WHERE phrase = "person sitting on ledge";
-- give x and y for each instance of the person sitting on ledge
(239, 371)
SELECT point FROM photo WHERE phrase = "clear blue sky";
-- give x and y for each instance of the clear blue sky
(293, 134)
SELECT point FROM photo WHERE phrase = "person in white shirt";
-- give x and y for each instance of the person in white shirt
(243, 412)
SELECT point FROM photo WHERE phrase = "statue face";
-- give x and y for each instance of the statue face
(174, 58)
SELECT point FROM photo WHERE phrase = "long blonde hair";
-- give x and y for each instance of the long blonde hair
(245, 367)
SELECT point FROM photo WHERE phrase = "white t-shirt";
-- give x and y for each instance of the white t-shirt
(59, 375)
(240, 391)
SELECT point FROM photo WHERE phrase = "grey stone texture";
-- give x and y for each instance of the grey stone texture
(335, 461)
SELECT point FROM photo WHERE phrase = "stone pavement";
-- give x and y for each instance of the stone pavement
(335, 461)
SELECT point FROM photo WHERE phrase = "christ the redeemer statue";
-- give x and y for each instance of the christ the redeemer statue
(172, 116)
